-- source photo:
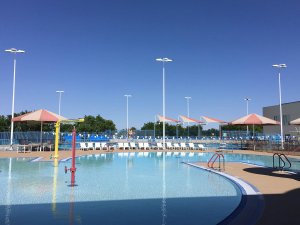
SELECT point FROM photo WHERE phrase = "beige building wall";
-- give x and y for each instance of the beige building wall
(290, 111)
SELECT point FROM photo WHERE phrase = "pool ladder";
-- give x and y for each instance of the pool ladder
(282, 160)
(214, 158)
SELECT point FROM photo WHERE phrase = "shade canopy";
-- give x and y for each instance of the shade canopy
(254, 119)
(295, 122)
(41, 115)
(166, 119)
(211, 120)
(190, 120)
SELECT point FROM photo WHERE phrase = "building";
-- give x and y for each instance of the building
(290, 111)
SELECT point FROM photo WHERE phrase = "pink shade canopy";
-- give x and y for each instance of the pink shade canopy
(254, 119)
(211, 120)
(166, 119)
(39, 115)
(295, 122)
(190, 120)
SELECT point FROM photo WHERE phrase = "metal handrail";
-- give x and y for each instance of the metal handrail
(213, 159)
(281, 158)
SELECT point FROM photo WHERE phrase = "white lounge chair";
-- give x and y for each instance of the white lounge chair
(97, 145)
(83, 146)
(146, 146)
(169, 145)
(202, 147)
(141, 145)
(90, 146)
(126, 146)
(104, 146)
(193, 147)
(183, 145)
(159, 145)
(121, 146)
(132, 145)
(176, 146)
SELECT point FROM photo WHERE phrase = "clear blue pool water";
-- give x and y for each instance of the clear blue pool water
(137, 188)
(114, 189)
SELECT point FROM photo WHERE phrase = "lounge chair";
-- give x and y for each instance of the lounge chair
(104, 146)
(183, 145)
(121, 146)
(141, 145)
(90, 146)
(132, 145)
(169, 145)
(126, 146)
(176, 146)
(159, 145)
(97, 145)
(146, 146)
(83, 146)
(202, 147)
(193, 147)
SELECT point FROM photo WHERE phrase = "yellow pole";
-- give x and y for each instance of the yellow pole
(57, 126)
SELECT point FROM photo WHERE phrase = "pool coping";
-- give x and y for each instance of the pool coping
(247, 190)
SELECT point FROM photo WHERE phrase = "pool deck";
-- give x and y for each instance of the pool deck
(280, 190)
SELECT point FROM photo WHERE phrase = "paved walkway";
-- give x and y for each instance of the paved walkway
(281, 192)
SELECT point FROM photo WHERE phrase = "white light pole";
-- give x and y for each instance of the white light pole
(247, 101)
(188, 112)
(164, 60)
(14, 51)
(280, 66)
(127, 96)
(59, 100)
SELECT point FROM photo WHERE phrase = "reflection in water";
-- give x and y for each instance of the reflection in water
(8, 203)
(164, 200)
(72, 198)
(54, 185)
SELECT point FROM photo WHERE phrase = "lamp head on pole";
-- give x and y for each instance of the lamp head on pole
(127, 96)
(13, 50)
(60, 91)
(247, 99)
(280, 65)
(164, 60)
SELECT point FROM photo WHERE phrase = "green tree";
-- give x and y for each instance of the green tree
(95, 124)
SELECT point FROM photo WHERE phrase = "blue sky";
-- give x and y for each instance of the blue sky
(97, 51)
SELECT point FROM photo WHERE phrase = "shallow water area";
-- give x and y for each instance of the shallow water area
(119, 188)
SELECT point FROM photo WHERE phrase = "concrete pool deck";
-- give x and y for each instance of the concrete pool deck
(280, 190)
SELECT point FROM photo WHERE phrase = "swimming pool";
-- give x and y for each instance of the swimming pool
(136, 188)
